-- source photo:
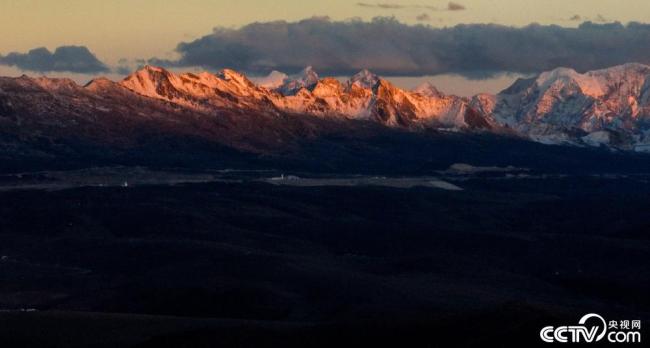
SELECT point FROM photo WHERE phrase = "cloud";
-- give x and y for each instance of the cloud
(77, 59)
(123, 70)
(381, 5)
(451, 6)
(454, 6)
(125, 66)
(601, 19)
(423, 17)
(598, 19)
(389, 47)
(393, 6)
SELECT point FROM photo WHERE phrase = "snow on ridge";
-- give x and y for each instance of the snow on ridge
(307, 78)
(595, 83)
(589, 84)
(428, 89)
(561, 106)
(273, 80)
(364, 79)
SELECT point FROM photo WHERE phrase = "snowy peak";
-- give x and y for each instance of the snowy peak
(151, 82)
(227, 88)
(563, 78)
(563, 105)
(307, 78)
(627, 79)
(364, 79)
(234, 77)
(308, 75)
(328, 87)
(429, 90)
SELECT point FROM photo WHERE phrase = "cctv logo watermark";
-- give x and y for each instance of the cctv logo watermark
(593, 328)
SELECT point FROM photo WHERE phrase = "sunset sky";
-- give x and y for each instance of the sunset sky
(143, 29)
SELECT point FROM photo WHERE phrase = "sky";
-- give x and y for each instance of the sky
(119, 31)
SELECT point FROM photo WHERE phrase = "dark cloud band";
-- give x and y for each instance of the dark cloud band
(393, 6)
(76, 59)
(454, 6)
(451, 6)
(393, 48)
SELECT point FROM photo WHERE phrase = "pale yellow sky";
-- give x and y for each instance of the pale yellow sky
(146, 28)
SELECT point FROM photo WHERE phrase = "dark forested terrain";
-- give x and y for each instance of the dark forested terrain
(253, 264)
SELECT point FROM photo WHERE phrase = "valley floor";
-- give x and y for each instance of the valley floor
(264, 258)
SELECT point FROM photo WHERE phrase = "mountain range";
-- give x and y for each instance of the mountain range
(364, 97)
(607, 108)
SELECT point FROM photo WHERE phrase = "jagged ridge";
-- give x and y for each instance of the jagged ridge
(364, 96)
(605, 107)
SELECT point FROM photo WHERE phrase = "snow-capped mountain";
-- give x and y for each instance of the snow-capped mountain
(429, 90)
(609, 106)
(227, 89)
(307, 78)
(364, 79)
(365, 96)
